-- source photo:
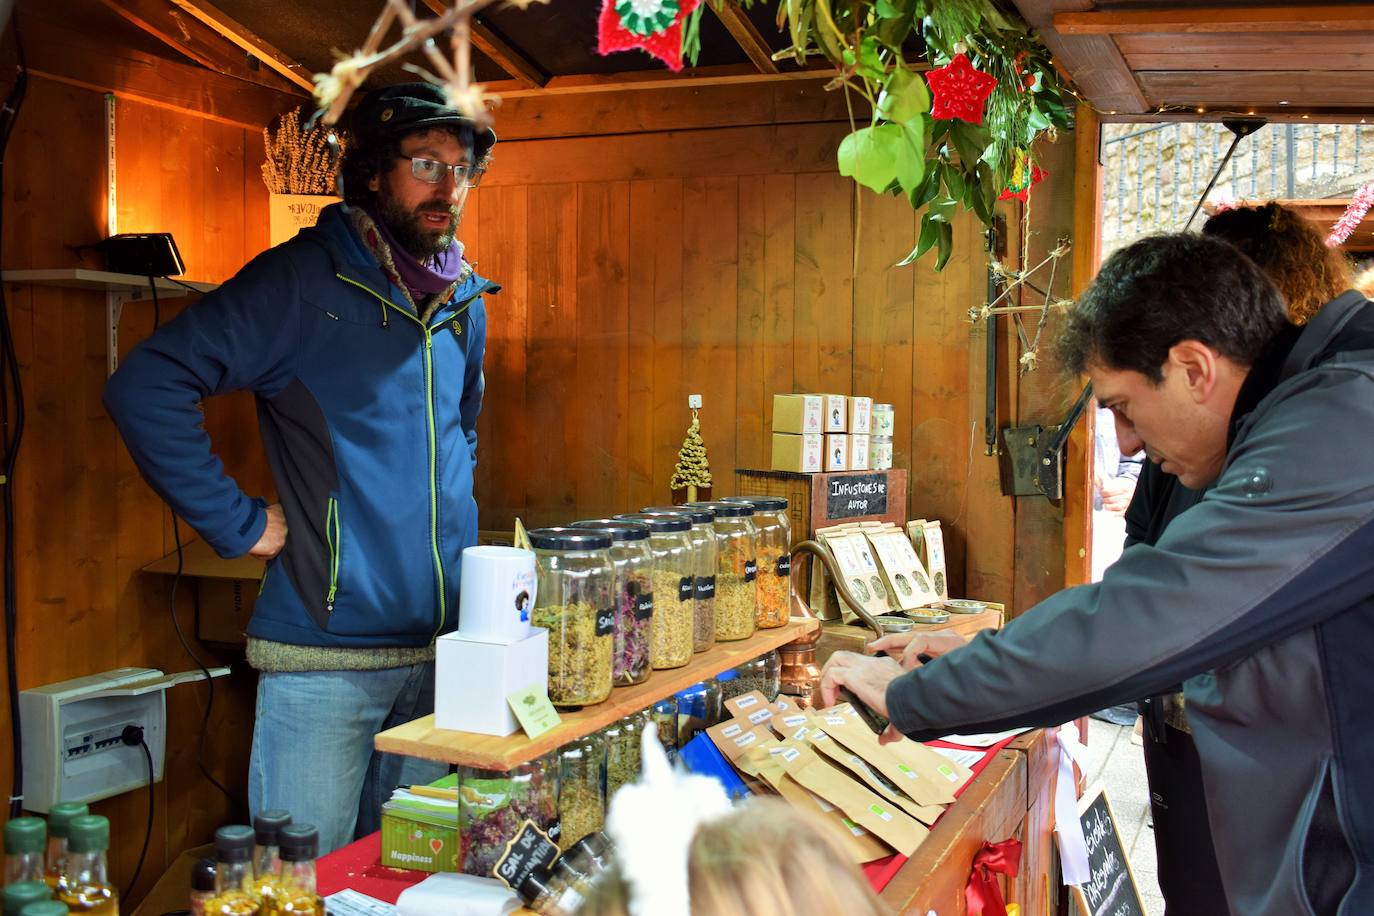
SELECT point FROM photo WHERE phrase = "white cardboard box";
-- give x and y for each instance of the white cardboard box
(860, 416)
(858, 452)
(836, 417)
(837, 453)
(472, 680)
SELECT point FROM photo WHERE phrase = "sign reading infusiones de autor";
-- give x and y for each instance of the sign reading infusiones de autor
(856, 496)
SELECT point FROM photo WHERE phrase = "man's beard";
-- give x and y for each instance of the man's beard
(405, 226)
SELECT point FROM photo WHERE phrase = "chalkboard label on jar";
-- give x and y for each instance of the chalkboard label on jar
(785, 565)
(529, 849)
(686, 588)
(706, 588)
(644, 606)
(751, 570)
(605, 622)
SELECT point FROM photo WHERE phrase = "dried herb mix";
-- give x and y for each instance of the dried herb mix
(579, 656)
(672, 632)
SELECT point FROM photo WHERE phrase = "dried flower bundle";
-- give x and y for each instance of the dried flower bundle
(299, 160)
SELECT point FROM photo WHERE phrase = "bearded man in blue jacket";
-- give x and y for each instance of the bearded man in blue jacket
(362, 339)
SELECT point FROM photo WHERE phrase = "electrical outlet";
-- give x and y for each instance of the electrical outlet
(694, 401)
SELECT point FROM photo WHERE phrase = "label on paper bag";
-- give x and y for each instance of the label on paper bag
(533, 710)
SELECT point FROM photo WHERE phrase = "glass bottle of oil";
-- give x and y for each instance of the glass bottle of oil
(202, 885)
(86, 886)
(267, 826)
(59, 817)
(22, 893)
(300, 846)
(233, 873)
(25, 841)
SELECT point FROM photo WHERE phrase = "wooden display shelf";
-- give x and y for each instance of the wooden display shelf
(421, 739)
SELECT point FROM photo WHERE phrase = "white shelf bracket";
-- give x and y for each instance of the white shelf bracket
(114, 307)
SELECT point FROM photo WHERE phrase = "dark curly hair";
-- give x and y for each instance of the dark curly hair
(1163, 289)
(361, 163)
(1290, 250)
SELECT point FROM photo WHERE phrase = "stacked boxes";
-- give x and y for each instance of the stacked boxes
(821, 432)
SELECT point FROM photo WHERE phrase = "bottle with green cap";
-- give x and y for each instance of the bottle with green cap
(87, 887)
(300, 846)
(26, 839)
(234, 873)
(267, 825)
(59, 816)
(22, 893)
(45, 908)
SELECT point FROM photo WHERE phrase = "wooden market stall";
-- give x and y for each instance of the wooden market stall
(656, 234)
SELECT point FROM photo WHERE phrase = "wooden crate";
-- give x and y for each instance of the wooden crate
(808, 500)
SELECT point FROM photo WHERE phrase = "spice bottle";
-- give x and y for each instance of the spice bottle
(632, 564)
(267, 826)
(87, 888)
(300, 846)
(774, 583)
(703, 539)
(22, 893)
(551, 894)
(581, 803)
(576, 604)
(233, 873)
(670, 641)
(663, 715)
(736, 570)
(202, 886)
(26, 839)
(59, 818)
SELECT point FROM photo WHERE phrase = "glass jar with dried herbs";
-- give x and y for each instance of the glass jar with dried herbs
(581, 802)
(736, 570)
(763, 674)
(670, 637)
(663, 716)
(492, 804)
(622, 753)
(774, 582)
(632, 562)
(698, 708)
(703, 537)
(576, 604)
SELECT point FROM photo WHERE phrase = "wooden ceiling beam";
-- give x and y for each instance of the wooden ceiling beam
(240, 35)
(1093, 61)
(196, 41)
(742, 29)
(517, 63)
(1245, 89)
(1334, 20)
(723, 75)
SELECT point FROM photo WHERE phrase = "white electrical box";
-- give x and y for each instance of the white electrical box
(74, 748)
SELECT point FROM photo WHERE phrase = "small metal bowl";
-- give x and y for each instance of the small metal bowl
(929, 615)
(893, 624)
(965, 606)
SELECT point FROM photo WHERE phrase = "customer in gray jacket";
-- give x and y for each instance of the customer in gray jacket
(1260, 598)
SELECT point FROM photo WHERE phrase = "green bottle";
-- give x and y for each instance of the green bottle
(87, 888)
(59, 816)
(25, 841)
(18, 896)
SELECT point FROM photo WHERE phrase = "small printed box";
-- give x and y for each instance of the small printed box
(860, 416)
(419, 841)
(798, 453)
(858, 453)
(837, 453)
(800, 414)
(836, 413)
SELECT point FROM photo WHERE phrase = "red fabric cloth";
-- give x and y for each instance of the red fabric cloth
(982, 893)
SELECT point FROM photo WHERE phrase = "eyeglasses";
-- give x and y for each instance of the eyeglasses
(431, 171)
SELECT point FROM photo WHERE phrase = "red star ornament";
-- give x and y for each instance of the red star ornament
(612, 35)
(959, 91)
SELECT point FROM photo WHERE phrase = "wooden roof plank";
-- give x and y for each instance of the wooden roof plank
(1331, 19)
(240, 35)
(1094, 62)
(1264, 51)
(517, 63)
(194, 40)
(1249, 89)
(747, 35)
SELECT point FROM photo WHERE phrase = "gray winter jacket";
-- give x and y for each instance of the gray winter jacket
(1261, 600)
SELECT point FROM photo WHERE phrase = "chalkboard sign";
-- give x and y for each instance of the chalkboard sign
(529, 849)
(1111, 890)
(856, 496)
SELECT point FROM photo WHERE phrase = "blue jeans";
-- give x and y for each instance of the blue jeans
(312, 746)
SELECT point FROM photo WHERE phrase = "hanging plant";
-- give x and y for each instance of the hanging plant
(995, 95)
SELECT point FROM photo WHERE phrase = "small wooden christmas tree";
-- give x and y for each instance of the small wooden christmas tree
(693, 471)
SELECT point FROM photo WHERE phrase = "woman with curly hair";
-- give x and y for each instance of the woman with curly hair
(1290, 250)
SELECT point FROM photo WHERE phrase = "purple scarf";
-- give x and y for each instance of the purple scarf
(423, 278)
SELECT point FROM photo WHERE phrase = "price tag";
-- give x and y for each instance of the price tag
(533, 710)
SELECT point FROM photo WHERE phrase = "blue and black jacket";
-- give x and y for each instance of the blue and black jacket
(369, 420)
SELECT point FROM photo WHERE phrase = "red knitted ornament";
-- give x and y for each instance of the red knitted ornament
(959, 91)
(614, 35)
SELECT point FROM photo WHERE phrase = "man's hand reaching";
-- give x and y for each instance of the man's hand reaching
(908, 648)
(273, 536)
